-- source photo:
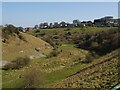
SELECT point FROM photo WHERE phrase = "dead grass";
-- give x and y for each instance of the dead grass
(18, 48)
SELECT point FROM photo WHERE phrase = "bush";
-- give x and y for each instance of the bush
(42, 33)
(9, 66)
(87, 59)
(21, 37)
(33, 78)
(54, 53)
(18, 63)
(9, 30)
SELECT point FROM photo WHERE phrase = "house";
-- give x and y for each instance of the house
(89, 23)
(116, 22)
(51, 25)
(36, 27)
(70, 25)
(84, 23)
(76, 23)
(27, 29)
(63, 24)
(56, 25)
(105, 21)
(97, 22)
(43, 25)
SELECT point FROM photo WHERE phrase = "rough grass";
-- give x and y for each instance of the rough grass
(80, 30)
(55, 68)
(18, 48)
(103, 75)
(50, 66)
(65, 64)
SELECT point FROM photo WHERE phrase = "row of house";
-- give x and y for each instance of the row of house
(76, 23)
(107, 21)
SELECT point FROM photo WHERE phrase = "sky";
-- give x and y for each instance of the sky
(28, 14)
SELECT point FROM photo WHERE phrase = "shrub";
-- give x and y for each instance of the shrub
(9, 30)
(54, 53)
(18, 63)
(56, 37)
(33, 78)
(42, 33)
(9, 66)
(21, 37)
(87, 59)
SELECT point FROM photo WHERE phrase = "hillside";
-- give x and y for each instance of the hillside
(102, 73)
(32, 47)
(67, 66)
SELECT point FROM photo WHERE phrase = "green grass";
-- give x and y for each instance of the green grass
(11, 76)
(39, 63)
(105, 75)
(85, 30)
(56, 68)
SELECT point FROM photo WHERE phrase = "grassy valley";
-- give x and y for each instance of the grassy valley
(69, 63)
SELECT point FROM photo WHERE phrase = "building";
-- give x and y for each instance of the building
(51, 25)
(36, 27)
(105, 21)
(70, 25)
(56, 25)
(76, 23)
(43, 25)
(116, 23)
(63, 24)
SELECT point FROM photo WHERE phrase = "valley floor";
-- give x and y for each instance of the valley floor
(65, 70)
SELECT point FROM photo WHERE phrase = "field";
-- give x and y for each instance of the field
(66, 65)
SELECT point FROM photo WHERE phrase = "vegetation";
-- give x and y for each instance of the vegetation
(97, 75)
(16, 47)
(11, 30)
(73, 60)
(33, 78)
(18, 63)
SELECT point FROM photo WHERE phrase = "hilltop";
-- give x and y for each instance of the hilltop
(21, 45)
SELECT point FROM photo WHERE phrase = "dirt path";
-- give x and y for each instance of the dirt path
(2, 63)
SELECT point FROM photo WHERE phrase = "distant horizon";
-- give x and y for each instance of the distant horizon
(56, 21)
(28, 14)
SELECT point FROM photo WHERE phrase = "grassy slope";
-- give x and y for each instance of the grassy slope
(60, 67)
(80, 30)
(57, 68)
(102, 73)
(52, 67)
(18, 48)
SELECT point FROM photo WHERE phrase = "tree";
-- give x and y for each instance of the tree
(36, 27)
(20, 29)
